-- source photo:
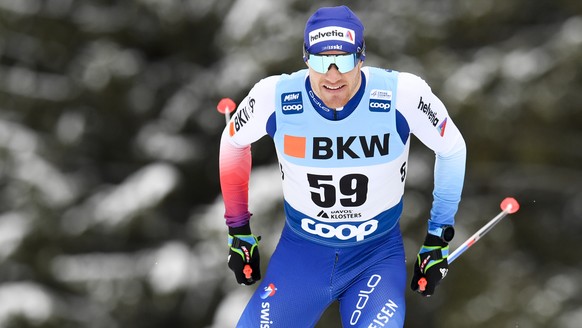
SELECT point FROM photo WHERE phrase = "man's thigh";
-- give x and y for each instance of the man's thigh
(376, 299)
(296, 288)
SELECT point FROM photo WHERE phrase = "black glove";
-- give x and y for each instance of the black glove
(431, 265)
(243, 256)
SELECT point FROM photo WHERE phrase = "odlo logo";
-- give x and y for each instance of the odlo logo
(292, 103)
(363, 297)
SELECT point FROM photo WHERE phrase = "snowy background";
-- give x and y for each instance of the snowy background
(110, 210)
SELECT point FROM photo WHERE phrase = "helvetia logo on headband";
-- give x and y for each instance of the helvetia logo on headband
(331, 33)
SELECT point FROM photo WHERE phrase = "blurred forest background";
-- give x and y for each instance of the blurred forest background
(110, 206)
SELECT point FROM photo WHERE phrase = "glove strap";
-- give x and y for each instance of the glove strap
(235, 241)
(240, 244)
(436, 252)
(431, 255)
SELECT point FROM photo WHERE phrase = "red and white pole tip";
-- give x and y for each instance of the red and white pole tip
(226, 106)
(510, 205)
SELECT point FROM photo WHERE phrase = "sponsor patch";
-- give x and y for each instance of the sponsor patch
(381, 94)
(331, 33)
(269, 291)
(242, 116)
(380, 100)
(292, 103)
(426, 110)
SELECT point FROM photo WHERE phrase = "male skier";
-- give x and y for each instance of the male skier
(342, 136)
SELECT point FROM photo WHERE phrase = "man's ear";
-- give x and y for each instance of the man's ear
(363, 52)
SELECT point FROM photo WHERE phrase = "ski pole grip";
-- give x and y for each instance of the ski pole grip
(422, 284)
(248, 271)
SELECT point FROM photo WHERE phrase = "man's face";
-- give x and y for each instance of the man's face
(334, 88)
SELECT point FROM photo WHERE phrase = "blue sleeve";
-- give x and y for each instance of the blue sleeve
(449, 174)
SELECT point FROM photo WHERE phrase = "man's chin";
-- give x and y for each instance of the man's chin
(334, 102)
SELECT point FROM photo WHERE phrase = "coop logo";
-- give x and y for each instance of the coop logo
(292, 103)
(269, 291)
(380, 100)
(341, 232)
(379, 106)
(332, 33)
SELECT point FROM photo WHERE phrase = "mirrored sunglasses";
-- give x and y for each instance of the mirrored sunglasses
(343, 62)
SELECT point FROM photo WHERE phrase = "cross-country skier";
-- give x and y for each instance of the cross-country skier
(342, 134)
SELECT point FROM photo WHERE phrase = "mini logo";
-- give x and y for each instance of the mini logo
(269, 291)
(292, 103)
(289, 97)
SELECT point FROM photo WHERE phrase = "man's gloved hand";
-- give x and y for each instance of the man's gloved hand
(243, 256)
(431, 264)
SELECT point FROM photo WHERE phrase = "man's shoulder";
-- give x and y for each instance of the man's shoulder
(271, 81)
(406, 78)
(412, 81)
(411, 77)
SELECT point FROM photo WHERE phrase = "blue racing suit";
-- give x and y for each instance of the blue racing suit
(343, 173)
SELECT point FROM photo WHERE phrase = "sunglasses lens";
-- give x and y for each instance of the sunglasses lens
(321, 63)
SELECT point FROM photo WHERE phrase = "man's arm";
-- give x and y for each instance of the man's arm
(235, 170)
(449, 174)
(430, 122)
(247, 125)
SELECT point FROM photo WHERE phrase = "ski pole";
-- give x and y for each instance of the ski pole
(226, 106)
(508, 206)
